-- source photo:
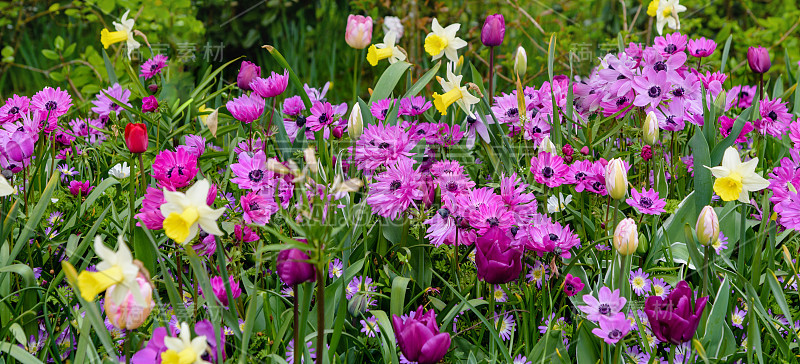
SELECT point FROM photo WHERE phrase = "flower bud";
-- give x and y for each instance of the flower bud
(130, 314)
(149, 104)
(547, 146)
(567, 150)
(616, 179)
(355, 123)
(647, 153)
(650, 128)
(136, 137)
(152, 88)
(293, 267)
(758, 59)
(707, 227)
(494, 30)
(626, 237)
(358, 33)
(338, 132)
(520, 62)
(585, 150)
(247, 73)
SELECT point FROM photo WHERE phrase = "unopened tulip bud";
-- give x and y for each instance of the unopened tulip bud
(547, 146)
(355, 123)
(758, 59)
(707, 227)
(494, 30)
(616, 179)
(129, 313)
(650, 128)
(520, 62)
(585, 150)
(626, 237)
(358, 33)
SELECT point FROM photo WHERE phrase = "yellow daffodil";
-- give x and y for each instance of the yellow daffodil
(123, 33)
(443, 41)
(735, 179)
(184, 212)
(183, 349)
(387, 49)
(116, 268)
(453, 92)
(667, 14)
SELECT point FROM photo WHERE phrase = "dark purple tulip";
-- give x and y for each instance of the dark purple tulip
(20, 146)
(419, 338)
(499, 260)
(672, 319)
(758, 59)
(293, 268)
(494, 30)
(247, 73)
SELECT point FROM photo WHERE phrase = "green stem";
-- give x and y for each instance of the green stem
(132, 199)
(355, 76)
(493, 318)
(491, 74)
(296, 326)
(706, 269)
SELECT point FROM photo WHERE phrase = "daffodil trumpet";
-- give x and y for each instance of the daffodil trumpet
(442, 102)
(108, 38)
(117, 268)
(375, 54)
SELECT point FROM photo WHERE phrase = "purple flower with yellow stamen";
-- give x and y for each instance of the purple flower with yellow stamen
(640, 282)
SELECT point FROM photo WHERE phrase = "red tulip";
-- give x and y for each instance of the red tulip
(136, 137)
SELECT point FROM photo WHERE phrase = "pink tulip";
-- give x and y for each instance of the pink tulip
(359, 31)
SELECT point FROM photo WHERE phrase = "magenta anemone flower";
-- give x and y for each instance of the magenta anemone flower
(379, 109)
(414, 106)
(572, 285)
(549, 237)
(395, 190)
(726, 125)
(150, 213)
(258, 207)
(78, 188)
(251, 171)
(506, 109)
(512, 192)
(322, 116)
(606, 304)
(245, 234)
(218, 286)
(382, 145)
(271, 86)
(579, 175)
(14, 108)
(613, 329)
(701, 47)
(104, 106)
(670, 44)
(549, 169)
(246, 108)
(651, 88)
(671, 118)
(194, 144)
(52, 102)
(454, 183)
(174, 170)
(153, 66)
(743, 95)
(646, 202)
(493, 214)
(775, 118)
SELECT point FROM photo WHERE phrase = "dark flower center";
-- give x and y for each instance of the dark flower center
(743, 94)
(660, 66)
(678, 91)
(700, 51)
(13, 110)
(621, 101)
(580, 176)
(492, 221)
(646, 202)
(598, 186)
(671, 120)
(452, 186)
(552, 237)
(300, 121)
(384, 112)
(323, 119)
(671, 48)
(604, 309)
(512, 112)
(173, 169)
(154, 67)
(547, 172)
(383, 145)
(444, 212)
(254, 206)
(772, 115)
(514, 230)
(50, 105)
(615, 334)
(621, 77)
(471, 120)
(536, 130)
(654, 92)
(395, 185)
(569, 288)
(255, 175)
(534, 112)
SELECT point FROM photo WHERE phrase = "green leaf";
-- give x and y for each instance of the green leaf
(388, 81)
(551, 52)
(18, 353)
(50, 54)
(58, 42)
(725, 52)
(719, 149)
(702, 175)
(718, 338)
(33, 219)
(423, 81)
(777, 293)
(112, 75)
(399, 285)
(292, 76)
